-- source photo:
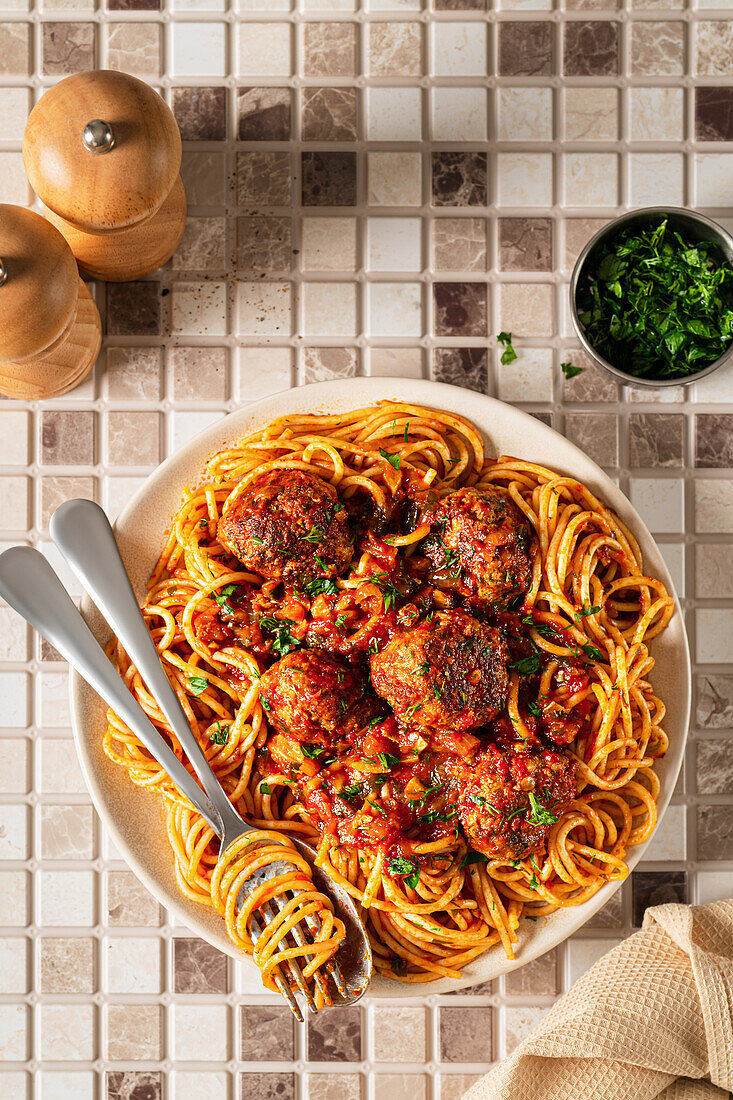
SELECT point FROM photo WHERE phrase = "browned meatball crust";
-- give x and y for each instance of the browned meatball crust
(288, 526)
(315, 697)
(509, 797)
(448, 672)
(479, 545)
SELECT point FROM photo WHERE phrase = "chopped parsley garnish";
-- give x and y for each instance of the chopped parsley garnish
(388, 760)
(222, 597)
(220, 736)
(421, 669)
(393, 459)
(570, 371)
(435, 815)
(593, 652)
(407, 425)
(472, 857)
(198, 684)
(655, 304)
(534, 708)
(411, 710)
(509, 354)
(401, 865)
(264, 704)
(259, 541)
(320, 585)
(376, 806)
(341, 620)
(283, 641)
(311, 752)
(533, 883)
(265, 788)
(314, 535)
(352, 790)
(390, 594)
(527, 666)
(541, 815)
(376, 721)
(338, 507)
(585, 611)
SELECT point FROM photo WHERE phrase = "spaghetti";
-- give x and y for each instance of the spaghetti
(430, 664)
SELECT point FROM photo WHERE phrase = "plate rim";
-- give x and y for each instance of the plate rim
(414, 391)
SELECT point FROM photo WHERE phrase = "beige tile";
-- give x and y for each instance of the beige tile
(68, 438)
(199, 308)
(453, 1085)
(519, 1022)
(400, 1086)
(329, 309)
(328, 244)
(535, 978)
(262, 371)
(66, 1032)
(14, 910)
(459, 244)
(322, 364)
(396, 362)
(134, 374)
(198, 373)
(264, 309)
(133, 964)
(54, 702)
(657, 49)
(395, 179)
(66, 898)
(14, 636)
(526, 309)
(15, 104)
(333, 1086)
(14, 958)
(203, 1027)
(395, 49)
(66, 964)
(133, 1032)
(14, 48)
(134, 48)
(55, 490)
(329, 49)
(13, 1033)
(14, 429)
(133, 438)
(67, 832)
(264, 49)
(14, 503)
(128, 903)
(714, 47)
(16, 188)
(59, 767)
(656, 114)
(591, 114)
(399, 1034)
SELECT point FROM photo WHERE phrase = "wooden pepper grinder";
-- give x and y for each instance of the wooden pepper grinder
(103, 152)
(50, 331)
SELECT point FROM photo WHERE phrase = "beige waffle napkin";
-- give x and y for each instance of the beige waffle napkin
(652, 1018)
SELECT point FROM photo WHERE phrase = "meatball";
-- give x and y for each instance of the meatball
(450, 671)
(315, 697)
(509, 797)
(478, 545)
(288, 526)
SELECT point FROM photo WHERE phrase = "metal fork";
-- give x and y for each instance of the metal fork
(28, 583)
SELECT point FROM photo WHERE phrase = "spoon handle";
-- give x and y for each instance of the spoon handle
(84, 536)
(29, 584)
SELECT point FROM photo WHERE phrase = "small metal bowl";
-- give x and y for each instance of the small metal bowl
(695, 227)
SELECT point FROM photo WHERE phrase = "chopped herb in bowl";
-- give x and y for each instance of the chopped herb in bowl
(653, 301)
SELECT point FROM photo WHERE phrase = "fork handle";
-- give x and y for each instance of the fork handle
(29, 584)
(84, 536)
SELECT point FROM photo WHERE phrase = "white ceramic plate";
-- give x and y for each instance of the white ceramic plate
(134, 817)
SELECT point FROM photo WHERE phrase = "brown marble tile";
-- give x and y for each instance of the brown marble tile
(465, 367)
(714, 701)
(590, 48)
(267, 1033)
(329, 49)
(133, 438)
(322, 364)
(267, 1086)
(714, 832)
(395, 49)
(264, 114)
(466, 1034)
(596, 434)
(714, 440)
(459, 309)
(132, 1084)
(134, 309)
(201, 113)
(204, 178)
(657, 49)
(68, 438)
(67, 48)
(264, 245)
(714, 114)
(198, 967)
(537, 978)
(66, 964)
(328, 114)
(525, 244)
(610, 915)
(263, 179)
(56, 490)
(328, 179)
(199, 374)
(656, 439)
(335, 1036)
(459, 179)
(714, 47)
(593, 384)
(133, 5)
(525, 49)
(656, 888)
(459, 244)
(133, 1032)
(714, 766)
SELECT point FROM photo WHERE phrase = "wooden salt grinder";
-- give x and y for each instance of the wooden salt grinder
(103, 152)
(50, 332)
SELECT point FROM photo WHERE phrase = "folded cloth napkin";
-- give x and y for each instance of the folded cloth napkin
(652, 1018)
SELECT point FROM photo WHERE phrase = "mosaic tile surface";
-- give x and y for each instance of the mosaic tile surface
(375, 187)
